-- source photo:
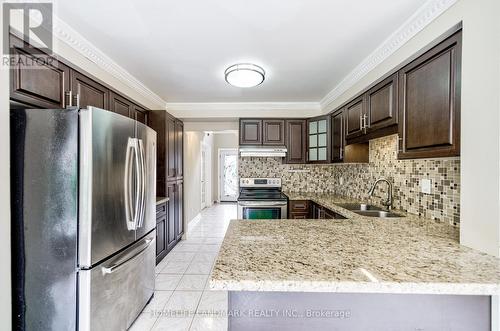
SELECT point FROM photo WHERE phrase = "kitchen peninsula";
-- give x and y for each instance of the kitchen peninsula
(357, 273)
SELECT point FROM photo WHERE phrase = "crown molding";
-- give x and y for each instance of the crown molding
(202, 109)
(417, 22)
(293, 106)
(68, 35)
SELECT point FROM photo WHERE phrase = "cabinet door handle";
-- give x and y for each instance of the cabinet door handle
(78, 100)
(399, 148)
(69, 95)
(361, 122)
(341, 153)
(365, 122)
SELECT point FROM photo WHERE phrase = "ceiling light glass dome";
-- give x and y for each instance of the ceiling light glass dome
(244, 75)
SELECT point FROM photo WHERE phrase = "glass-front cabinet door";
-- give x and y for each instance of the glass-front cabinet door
(317, 131)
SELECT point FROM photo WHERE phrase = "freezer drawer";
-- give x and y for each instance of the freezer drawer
(113, 293)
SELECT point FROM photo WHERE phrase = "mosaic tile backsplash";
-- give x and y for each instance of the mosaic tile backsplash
(443, 204)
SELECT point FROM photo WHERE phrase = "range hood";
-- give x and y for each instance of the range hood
(263, 151)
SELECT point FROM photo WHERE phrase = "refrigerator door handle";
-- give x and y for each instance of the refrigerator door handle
(121, 262)
(138, 179)
(128, 186)
(142, 184)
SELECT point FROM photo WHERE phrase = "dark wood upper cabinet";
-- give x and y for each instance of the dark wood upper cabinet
(273, 132)
(296, 143)
(382, 104)
(55, 83)
(355, 112)
(45, 85)
(171, 162)
(158, 123)
(87, 92)
(169, 158)
(250, 132)
(179, 149)
(169, 171)
(140, 114)
(430, 102)
(120, 105)
(338, 136)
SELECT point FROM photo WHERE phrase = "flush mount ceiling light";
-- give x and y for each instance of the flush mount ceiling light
(244, 75)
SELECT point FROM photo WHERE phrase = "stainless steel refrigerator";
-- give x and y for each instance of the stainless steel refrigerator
(83, 219)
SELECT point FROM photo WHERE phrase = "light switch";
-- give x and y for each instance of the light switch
(341, 180)
(425, 185)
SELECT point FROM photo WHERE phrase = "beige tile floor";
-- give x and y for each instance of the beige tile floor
(182, 300)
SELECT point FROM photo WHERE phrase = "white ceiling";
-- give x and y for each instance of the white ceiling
(179, 49)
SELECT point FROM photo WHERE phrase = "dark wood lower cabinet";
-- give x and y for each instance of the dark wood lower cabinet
(171, 228)
(175, 227)
(161, 231)
(330, 214)
(298, 209)
(303, 209)
(169, 220)
(179, 210)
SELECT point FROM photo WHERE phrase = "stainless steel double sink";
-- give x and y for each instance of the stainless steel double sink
(368, 210)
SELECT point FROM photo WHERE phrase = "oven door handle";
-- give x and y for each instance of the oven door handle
(263, 203)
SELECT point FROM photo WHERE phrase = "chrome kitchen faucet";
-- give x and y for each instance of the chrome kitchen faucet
(388, 202)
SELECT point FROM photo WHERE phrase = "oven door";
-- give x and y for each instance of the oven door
(252, 210)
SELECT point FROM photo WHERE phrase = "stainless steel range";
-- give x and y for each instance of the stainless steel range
(261, 198)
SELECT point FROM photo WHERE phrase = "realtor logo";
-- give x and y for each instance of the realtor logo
(33, 20)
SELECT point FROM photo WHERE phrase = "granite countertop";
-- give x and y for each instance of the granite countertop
(358, 255)
(160, 200)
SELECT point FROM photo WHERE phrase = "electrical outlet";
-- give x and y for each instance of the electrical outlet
(425, 185)
(341, 180)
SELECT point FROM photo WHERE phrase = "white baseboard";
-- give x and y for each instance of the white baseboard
(192, 223)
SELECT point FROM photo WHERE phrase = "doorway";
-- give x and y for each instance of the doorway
(203, 161)
(228, 175)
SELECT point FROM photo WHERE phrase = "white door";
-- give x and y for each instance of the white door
(228, 174)
(203, 179)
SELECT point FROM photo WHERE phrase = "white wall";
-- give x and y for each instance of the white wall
(221, 140)
(480, 140)
(5, 295)
(193, 142)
